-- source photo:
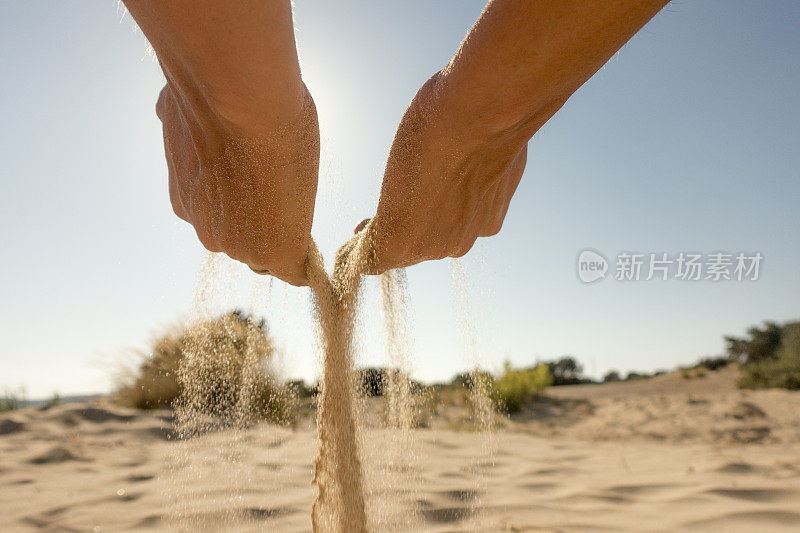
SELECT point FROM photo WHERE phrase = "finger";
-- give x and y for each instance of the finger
(387, 250)
(202, 220)
(161, 104)
(471, 230)
(494, 223)
(492, 219)
(165, 108)
(284, 259)
(175, 197)
(361, 225)
(514, 180)
(293, 274)
(466, 244)
(263, 271)
(296, 280)
(487, 210)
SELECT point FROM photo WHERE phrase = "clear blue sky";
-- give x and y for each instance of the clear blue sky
(687, 140)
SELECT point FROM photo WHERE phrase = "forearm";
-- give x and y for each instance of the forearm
(238, 58)
(523, 59)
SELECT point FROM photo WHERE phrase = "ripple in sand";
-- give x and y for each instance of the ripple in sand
(59, 454)
(9, 426)
(756, 495)
(757, 520)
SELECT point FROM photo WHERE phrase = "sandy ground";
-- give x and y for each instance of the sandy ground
(662, 455)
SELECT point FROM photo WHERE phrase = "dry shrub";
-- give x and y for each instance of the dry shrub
(217, 367)
(695, 372)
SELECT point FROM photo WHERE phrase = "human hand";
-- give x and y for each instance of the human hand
(240, 129)
(459, 152)
(248, 192)
(446, 183)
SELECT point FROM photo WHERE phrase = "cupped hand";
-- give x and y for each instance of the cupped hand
(248, 189)
(446, 183)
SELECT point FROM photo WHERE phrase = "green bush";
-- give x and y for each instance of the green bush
(217, 367)
(780, 371)
(513, 388)
(10, 401)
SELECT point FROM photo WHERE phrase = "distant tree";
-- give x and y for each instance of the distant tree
(373, 381)
(611, 377)
(779, 371)
(762, 344)
(566, 371)
(466, 379)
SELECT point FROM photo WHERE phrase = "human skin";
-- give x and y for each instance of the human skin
(242, 140)
(240, 128)
(461, 146)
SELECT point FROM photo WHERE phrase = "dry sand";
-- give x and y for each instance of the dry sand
(338, 474)
(658, 455)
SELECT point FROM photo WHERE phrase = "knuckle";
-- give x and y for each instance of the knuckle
(207, 240)
(285, 261)
(462, 249)
(177, 208)
(161, 103)
(493, 227)
(441, 252)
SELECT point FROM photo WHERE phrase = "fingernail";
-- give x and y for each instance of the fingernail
(361, 225)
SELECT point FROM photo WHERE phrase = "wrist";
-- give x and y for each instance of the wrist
(465, 121)
(244, 112)
(485, 122)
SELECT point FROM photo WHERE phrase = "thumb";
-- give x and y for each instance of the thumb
(361, 225)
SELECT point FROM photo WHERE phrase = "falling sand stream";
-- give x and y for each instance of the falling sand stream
(338, 475)
(340, 505)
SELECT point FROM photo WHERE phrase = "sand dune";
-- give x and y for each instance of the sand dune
(82, 467)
